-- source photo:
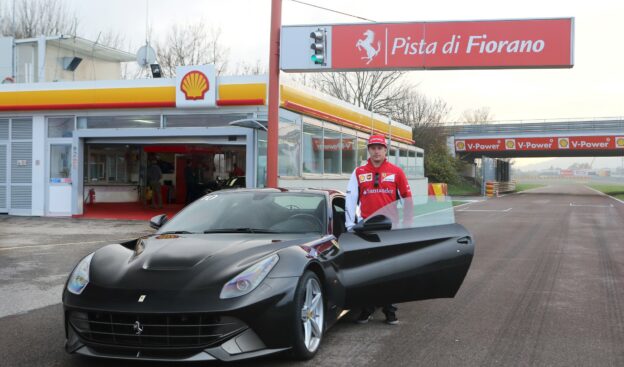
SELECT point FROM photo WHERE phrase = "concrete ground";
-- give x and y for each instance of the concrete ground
(546, 288)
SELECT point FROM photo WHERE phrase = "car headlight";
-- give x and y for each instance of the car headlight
(79, 278)
(249, 279)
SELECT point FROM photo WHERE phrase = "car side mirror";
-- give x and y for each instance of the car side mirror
(377, 223)
(158, 221)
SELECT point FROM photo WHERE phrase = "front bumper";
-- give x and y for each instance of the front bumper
(184, 329)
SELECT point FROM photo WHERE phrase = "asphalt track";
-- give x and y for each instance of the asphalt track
(546, 288)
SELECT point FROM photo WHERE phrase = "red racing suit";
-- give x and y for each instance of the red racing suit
(373, 188)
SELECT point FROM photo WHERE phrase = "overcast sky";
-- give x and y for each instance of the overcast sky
(594, 87)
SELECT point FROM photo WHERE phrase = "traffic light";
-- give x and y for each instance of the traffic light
(318, 46)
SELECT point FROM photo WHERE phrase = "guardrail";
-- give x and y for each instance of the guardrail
(543, 126)
(493, 188)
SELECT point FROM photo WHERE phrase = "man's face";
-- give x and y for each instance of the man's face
(377, 153)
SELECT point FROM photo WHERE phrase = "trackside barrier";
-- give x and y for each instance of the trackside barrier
(493, 188)
(438, 189)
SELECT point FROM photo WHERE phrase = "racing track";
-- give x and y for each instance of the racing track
(546, 288)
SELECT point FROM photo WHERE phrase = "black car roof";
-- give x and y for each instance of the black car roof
(281, 189)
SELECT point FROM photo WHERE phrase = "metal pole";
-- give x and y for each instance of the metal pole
(272, 152)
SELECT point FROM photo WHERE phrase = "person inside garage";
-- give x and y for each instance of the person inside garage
(376, 185)
(154, 175)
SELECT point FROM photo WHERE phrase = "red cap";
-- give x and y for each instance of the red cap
(377, 139)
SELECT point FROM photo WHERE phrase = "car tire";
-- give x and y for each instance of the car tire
(309, 316)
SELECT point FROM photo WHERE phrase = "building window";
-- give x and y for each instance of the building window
(362, 152)
(312, 149)
(289, 148)
(112, 164)
(349, 150)
(60, 162)
(392, 156)
(118, 122)
(411, 168)
(208, 120)
(331, 151)
(261, 164)
(60, 127)
(403, 161)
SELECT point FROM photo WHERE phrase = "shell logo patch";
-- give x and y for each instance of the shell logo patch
(365, 177)
(619, 142)
(510, 143)
(564, 143)
(460, 145)
(194, 85)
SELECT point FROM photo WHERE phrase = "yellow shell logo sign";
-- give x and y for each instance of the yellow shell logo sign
(619, 142)
(194, 85)
(563, 143)
(510, 144)
(460, 145)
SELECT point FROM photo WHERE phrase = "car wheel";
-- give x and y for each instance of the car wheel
(309, 316)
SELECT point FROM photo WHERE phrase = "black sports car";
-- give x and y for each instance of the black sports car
(249, 272)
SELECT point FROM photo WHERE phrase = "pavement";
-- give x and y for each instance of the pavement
(546, 288)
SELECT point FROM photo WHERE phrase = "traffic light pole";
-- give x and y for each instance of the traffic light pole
(274, 70)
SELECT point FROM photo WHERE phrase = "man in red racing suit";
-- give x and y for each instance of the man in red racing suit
(373, 186)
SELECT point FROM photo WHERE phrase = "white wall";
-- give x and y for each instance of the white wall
(89, 68)
(6, 57)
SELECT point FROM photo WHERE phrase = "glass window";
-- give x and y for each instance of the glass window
(60, 162)
(60, 127)
(289, 148)
(420, 165)
(261, 164)
(236, 212)
(331, 151)
(312, 149)
(349, 148)
(118, 122)
(362, 152)
(392, 156)
(113, 163)
(403, 162)
(208, 120)
(411, 168)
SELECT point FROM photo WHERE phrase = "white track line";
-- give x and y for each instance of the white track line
(602, 193)
(486, 210)
(592, 206)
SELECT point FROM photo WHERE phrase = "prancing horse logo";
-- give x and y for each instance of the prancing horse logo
(367, 44)
(137, 327)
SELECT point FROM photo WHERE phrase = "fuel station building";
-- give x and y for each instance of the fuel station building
(60, 141)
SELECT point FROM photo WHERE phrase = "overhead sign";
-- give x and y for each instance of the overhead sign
(540, 144)
(530, 43)
(196, 86)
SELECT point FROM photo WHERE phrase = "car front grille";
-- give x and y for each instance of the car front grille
(190, 330)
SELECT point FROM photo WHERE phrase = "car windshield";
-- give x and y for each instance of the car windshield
(252, 212)
(420, 211)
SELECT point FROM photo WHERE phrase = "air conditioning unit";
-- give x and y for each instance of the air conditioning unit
(71, 63)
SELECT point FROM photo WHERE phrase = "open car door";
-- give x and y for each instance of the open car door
(404, 254)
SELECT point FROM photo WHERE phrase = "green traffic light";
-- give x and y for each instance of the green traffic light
(317, 59)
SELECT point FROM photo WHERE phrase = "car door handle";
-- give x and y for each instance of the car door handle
(464, 240)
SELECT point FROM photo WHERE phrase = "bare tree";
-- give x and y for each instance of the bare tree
(38, 17)
(192, 44)
(256, 68)
(425, 116)
(377, 91)
(477, 116)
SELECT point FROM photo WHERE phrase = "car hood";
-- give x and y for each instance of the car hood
(178, 262)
